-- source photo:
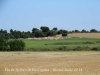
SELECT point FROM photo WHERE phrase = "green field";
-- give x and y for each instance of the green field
(61, 44)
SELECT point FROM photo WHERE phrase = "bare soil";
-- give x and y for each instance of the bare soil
(50, 63)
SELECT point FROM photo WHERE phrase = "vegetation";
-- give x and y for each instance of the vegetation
(3, 44)
(10, 41)
(13, 45)
(65, 44)
(44, 31)
(16, 45)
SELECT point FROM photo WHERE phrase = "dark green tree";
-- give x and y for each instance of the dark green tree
(55, 29)
(51, 33)
(59, 31)
(44, 28)
(34, 30)
(93, 30)
(83, 31)
(38, 33)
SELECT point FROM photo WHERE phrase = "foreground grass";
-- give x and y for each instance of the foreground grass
(87, 63)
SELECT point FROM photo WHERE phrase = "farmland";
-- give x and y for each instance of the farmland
(50, 63)
(86, 35)
(63, 44)
(64, 56)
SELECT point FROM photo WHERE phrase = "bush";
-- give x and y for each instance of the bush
(64, 48)
(3, 44)
(78, 48)
(16, 45)
(64, 34)
(95, 48)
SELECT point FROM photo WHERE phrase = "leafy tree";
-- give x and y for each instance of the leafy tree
(55, 29)
(44, 29)
(83, 31)
(59, 31)
(51, 33)
(77, 31)
(64, 31)
(38, 33)
(11, 31)
(34, 30)
(93, 30)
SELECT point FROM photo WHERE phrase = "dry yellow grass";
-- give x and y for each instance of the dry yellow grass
(45, 63)
(87, 35)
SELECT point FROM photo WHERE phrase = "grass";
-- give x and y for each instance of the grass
(50, 45)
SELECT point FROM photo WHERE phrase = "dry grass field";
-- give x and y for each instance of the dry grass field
(50, 63)
(87, 35)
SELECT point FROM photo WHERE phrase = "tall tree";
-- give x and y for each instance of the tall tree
(45, 29)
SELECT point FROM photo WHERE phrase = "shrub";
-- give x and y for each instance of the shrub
(64, 34)
(64, 48)
(95, 48)
(3, 44)
(78, 48)
(16, 45)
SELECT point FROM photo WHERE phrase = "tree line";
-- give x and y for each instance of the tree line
(44, 31)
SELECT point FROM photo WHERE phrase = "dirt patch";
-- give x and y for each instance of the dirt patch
(49, 63)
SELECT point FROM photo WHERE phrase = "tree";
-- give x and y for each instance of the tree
(4, 34)
(44, 29)
(38, 33)
(93, 30)
(83, 31)
(11, 31)
(51, 33)
(59, 31)
(34, 30)
(77, 31)
(55, 29)
(64, 32)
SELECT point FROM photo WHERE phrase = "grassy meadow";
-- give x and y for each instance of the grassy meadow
(64, 44)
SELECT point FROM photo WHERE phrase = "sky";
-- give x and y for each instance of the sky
(24, 15)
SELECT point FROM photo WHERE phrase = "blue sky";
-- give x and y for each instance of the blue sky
(24, 15)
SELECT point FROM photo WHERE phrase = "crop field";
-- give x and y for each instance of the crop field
(65, 56)
(63, 44)
(50, 63)
(86, 35)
